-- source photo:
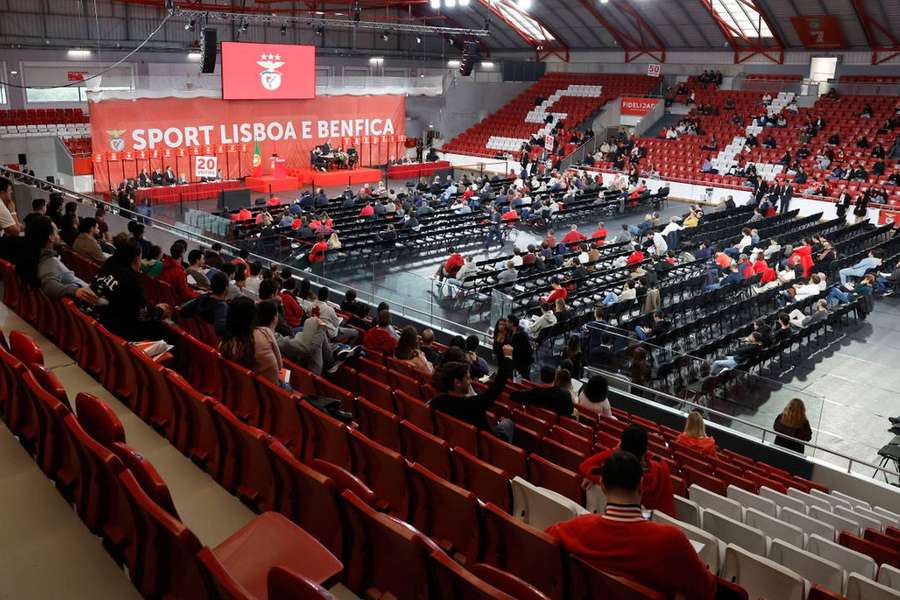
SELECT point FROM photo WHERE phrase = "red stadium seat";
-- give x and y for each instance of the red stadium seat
(49, 382)
(326, 437)
(384, 471)
(504, 455)
(25, 349)
(378, 424)
(588, 582)
(414, 410)
(457, 433)
(446, 513)
(543, 473)
(282, 413)
(525, 552)
(198, 437)
(283, 584)
(880, 554)
(561, 455)
(428, 450)
(306, 497)
(376, 392)
(488, 482)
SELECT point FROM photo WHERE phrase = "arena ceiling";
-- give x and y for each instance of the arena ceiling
(638, 27)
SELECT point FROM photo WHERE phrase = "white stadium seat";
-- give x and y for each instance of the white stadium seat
(710, 552)
(775, 528)
(540, 507)
(808, 499)
(751, 500)
(889, 576)
(832, 500)
(706, 499)
(853, 501)
(807, 523)
(864, 521)
(687, 511)
(821, 571)
(862, 588)
(730, 531)
(850, 560)
(893, 517)
(839, 522)
(761, 577)
(782, 500)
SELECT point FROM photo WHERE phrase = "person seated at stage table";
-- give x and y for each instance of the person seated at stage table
(143, 180)
(169, 177)
(182, 179)
(157, 177)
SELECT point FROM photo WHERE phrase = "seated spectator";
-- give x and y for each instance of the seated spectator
(573, 238)
(125, 312)
(408, 351)
(38, 264)
(741, 356)
(211, 306)
(557, 291)
(449, 268)
(792, 422)
(86, 243)
(196, 270)
(544, 320)
(381, 337)
(174, 274)
(237, 343)
(353, 306)
(151, 263)
(267, 362)
(546, 395)
(622, 542)
(694, 435)
(593, 394)
(872, 261)
(660, 326)
(452, 380)
(819, 312)
(656, 483)
(426, 345)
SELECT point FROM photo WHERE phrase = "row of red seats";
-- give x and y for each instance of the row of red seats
(119, 496)
(42, 116)
(773, 77)
(870, 78)
(78, 147)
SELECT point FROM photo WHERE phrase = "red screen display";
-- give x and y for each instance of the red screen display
(268, 71)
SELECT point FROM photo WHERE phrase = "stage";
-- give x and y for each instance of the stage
(269, 184)
(342, 177)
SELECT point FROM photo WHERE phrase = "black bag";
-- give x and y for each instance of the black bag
(331, 407)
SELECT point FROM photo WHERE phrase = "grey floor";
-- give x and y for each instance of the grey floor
(46, 553)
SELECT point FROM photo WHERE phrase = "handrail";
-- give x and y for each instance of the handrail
(614, 377)
(426, 318)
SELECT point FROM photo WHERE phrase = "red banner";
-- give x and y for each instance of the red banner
(886, 216)
(268, 71)
(637, 106)
(821, 31)
(165, 130)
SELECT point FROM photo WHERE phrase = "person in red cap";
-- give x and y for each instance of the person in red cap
(623, 542)
(656, 484)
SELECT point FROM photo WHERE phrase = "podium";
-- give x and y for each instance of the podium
(275, 180)
(277, 167)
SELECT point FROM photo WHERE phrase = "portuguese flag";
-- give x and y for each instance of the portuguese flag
(257, 161)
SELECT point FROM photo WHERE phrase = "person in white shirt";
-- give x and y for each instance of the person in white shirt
(331, 321)
(583, 257)
(808, 290)
(672, 225)
(546, 319)
(516, 260)
(251, 285)
(9, 223)
(593, 395)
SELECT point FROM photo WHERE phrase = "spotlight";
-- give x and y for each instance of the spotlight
(463, 2)
(385, 36)
(189, 26)
(452, 43)
(450, 3)
(435, 4)
(418, 39)
(283, 30)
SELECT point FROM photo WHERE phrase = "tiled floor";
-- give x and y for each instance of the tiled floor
(46, 552)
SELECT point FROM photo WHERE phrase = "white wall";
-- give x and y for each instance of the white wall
(40, 151)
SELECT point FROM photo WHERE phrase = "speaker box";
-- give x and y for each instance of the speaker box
(234, 199)
(23, 160)
(209, 49)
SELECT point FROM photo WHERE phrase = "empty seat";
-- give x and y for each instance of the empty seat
(850, 560)
(812, 567)
(326, 437)
(863, 588)
(451, 581)
(761, 577)
(543, 473)
(447, 513)
(880, 554)
(457, 433)
(865, 521)
(499, 453)
(774, 527)
(889, 576)
(378, 424)
(426, 449)
(384, 471)
(807, 523)
(586, 582)
(540, 507)
(398, 568)
(782, 500)
(488, 482)
(523, 551)
(751, 500)
(706, 499)
(837, 521)
(730, 531)
(706, 544)
(809, 499)
(687, 511)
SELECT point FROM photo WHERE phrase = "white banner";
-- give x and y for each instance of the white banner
(654, 70)
(205, 166)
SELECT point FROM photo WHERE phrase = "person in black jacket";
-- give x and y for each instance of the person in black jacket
(546, 395)
(522, 356)
(792, 422)
(453, 383)
(123, 309)
(211, 306)
(741, 355)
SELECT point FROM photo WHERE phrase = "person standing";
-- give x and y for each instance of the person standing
(792, 422)
(522, 354)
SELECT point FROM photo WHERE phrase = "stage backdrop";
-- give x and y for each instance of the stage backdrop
(128, 135)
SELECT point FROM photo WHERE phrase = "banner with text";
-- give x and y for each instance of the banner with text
(156, 133)
(637, 107)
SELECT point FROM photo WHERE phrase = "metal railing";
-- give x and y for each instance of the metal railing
(423, 316)
(615, 380)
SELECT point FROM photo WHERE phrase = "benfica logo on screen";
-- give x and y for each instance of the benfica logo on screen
(115, 139)
(270, 76)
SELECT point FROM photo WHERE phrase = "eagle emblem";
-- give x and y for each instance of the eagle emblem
(270, 76)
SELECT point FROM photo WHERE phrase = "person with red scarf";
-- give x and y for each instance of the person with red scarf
(656, 484)
(623, 542)
(804, 251)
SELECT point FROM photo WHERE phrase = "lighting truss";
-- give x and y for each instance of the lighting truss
(316, 21)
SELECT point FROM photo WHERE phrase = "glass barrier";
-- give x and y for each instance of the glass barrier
(745, 400)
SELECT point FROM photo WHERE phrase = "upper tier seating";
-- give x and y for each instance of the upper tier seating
(571, 97)
(64, 122)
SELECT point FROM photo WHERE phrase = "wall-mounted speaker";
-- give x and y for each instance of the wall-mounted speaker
(209, 48)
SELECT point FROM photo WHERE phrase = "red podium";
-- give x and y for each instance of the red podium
(277, 179)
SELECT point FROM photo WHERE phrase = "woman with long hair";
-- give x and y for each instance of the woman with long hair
(694, 435)
(37, 263)
(501, 337)
(792, 422)
(408, 351)
(237, 344)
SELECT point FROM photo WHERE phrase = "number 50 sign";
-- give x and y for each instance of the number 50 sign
(205, 166)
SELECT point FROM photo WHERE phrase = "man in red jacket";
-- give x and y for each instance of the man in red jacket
(174, 274)
(380, 339)
(573, 237)
(622, 542)
(453, 263)
(656, 484)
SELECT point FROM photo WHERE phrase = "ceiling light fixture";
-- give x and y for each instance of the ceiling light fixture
(78, 53)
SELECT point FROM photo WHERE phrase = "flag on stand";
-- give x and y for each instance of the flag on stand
(257, 161)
